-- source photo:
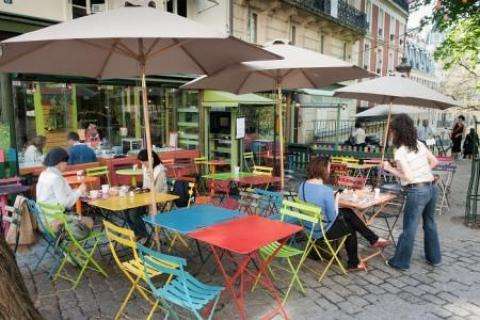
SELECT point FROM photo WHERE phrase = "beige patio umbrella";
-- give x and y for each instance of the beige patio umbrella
(127, 42)
(395, 90)
(300, 68)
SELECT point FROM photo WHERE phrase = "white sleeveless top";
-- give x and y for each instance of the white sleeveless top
(416, 163)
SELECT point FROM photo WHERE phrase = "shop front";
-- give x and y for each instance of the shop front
(235, 124)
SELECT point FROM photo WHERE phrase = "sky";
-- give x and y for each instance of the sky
(415, 17)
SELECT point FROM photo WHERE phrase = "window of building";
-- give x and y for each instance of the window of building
(8, 1)
(381, 16)
(293, 34)
(178, 7)
(391, 62)
(368, 12)
(79, 8)
(322, 43)
(379, 65)
(366, 56)
(253, 27)
(345, 48)
(392, 28)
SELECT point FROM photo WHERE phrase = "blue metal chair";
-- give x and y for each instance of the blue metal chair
(270, 202)
(182, 290)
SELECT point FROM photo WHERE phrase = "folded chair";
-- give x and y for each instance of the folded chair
(132, 266)
(307, 216)
(330, 247)
(79, 253)
(182, 290)
(248, 202)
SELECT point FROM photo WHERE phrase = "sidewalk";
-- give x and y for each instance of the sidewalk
(450, 291)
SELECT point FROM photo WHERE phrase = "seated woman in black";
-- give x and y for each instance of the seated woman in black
(338, 223)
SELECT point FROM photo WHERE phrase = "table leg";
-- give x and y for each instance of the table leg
(134, 181)
(230, 281)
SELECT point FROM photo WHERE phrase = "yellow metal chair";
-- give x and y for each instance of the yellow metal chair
(248, 161)
(98, 172)
(132, 267)
(201, 165)
(262, 170)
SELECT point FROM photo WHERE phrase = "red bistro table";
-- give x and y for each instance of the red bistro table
(244, 237)
(258, 180)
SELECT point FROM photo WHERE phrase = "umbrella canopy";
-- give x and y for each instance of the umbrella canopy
(384, 109)
(111, 44)
(396, 90)
(300, 68)
(127, 42)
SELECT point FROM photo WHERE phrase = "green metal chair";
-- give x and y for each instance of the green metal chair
(182, 290)
(77, 252)
(309, 217)
(98, 172)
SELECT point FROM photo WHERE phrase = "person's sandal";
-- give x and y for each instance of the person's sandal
(362, 266)
(381, 243)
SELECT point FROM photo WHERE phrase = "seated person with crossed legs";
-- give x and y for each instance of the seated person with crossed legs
(338, 222)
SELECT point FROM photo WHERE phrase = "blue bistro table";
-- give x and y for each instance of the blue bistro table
(186, 220)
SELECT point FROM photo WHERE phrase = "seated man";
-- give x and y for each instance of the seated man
(79, 152)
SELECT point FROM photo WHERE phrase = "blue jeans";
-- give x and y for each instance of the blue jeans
(420, 201)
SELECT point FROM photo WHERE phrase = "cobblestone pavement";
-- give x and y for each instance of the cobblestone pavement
(450, 291)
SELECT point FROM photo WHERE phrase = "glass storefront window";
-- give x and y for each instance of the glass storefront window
(53, 109)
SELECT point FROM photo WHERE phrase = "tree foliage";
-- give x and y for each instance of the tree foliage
(460, 22)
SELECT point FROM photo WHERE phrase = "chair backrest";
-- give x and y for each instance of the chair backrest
(42, 224)
(249, 202)
(101, 171)
(248, 160)
(97, 171)
(262, 170)
(305, 213)
(199, 163)
(270, 202)
(152, 259)
(123, 237)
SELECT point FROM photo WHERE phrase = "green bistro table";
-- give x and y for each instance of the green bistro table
(130, 172)
(225, 176)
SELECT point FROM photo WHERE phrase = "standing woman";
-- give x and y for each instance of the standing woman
(414, 163)
(457, 136)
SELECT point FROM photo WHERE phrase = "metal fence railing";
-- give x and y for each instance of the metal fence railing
(325, 131)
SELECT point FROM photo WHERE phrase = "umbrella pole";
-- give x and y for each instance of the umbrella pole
(280, 133)
(385, 137)
(153, 203)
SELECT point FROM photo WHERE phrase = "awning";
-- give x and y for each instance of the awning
(213, 98)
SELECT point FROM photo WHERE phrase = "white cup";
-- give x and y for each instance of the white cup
(376, 192)
(105, 188)
(236, 170)
(94, 194)
(135, 167)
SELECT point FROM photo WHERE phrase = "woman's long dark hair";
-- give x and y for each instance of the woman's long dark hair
(143, 156)
(405, 133)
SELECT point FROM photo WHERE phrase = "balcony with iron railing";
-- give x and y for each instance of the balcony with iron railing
(347, 15)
